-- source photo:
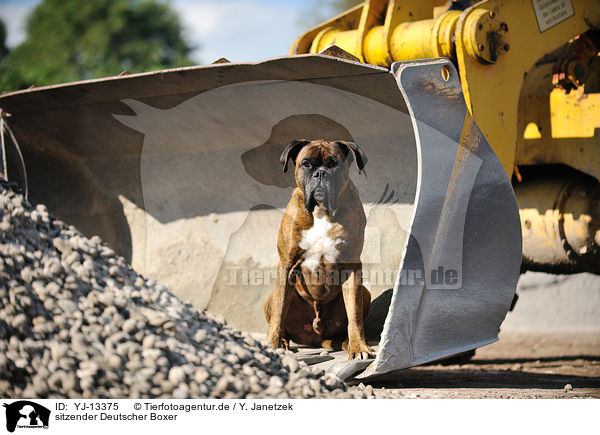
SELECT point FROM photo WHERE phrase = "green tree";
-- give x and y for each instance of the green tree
(70, 40)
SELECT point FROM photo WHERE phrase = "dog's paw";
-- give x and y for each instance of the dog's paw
(274, 339)
(278, 341)
(361, 355)
(360, 352)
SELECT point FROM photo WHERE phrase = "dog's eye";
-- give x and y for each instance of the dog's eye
(306, 163)
(332, 163)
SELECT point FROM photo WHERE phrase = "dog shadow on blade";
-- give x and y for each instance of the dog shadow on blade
(262, 162)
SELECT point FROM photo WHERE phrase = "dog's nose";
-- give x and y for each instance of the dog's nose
(319, 174)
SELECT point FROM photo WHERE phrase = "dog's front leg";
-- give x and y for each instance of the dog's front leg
(279, 306)
(353, 300)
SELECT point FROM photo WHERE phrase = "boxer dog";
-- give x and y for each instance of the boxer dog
(318, 297)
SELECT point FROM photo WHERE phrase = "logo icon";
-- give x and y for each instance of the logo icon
(26, 414)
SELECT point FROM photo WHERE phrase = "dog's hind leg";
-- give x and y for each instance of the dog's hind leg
(335, 344)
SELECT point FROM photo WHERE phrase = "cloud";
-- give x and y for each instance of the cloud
(239, 30)
(14, 15)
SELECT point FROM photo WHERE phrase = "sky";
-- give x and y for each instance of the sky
(239, 30)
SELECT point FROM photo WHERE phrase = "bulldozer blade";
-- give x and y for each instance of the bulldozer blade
(179, 171)
(464, 235)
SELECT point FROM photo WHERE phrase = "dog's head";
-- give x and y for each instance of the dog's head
(322, 169)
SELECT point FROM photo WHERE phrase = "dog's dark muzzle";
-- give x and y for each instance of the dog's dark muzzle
(320, 190)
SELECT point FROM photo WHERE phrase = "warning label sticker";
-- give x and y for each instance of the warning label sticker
(549, 13)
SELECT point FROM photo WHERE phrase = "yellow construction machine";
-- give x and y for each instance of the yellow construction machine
(530, 75)
(462, 108)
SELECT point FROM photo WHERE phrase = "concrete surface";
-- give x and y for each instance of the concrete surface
(556, 303)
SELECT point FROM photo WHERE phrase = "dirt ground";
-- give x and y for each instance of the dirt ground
(517, 366)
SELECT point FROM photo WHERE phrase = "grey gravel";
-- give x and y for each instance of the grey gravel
(77, 321)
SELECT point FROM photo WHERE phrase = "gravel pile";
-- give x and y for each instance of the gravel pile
(77, 321)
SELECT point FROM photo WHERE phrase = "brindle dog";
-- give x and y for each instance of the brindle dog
(318, 297)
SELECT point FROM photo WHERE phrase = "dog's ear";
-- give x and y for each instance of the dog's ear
(291, 152)
(353, 150)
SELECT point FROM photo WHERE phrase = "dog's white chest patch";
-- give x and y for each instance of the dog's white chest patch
(318, 244)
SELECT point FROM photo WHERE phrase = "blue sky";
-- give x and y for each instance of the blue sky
(240, 30)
